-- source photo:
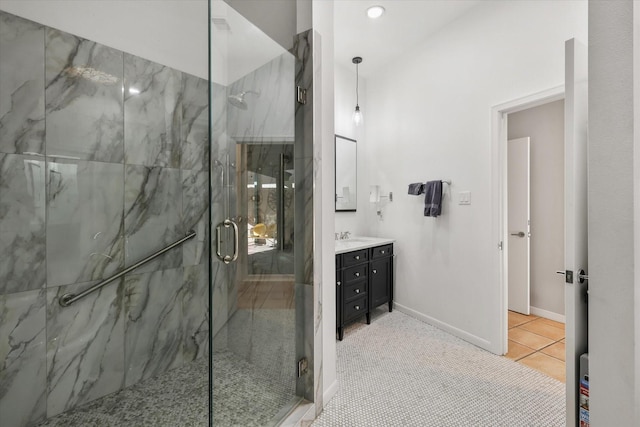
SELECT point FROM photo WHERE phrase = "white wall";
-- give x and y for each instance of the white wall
(429, 117)
(169, 32)
(345, 102)
(613, 356)
(545, 126)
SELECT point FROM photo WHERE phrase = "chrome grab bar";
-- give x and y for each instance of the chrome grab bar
(236, 241)
(69, 298)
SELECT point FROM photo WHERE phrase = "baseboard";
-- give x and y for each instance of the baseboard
(547, 314)
(330, 392)
(475, 340)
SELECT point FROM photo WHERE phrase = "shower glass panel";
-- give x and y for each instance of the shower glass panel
(104, 160)
(253, 170)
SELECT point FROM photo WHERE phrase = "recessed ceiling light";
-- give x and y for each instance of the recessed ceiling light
(375, 12)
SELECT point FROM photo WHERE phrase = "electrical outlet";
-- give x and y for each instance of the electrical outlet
(464, 198)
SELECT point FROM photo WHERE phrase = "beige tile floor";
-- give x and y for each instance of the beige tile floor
(538, 343)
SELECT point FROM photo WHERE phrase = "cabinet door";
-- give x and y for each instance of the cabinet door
(339, 297)
(380, 281)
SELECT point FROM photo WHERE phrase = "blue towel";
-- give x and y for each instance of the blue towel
(416, 188)
(433, 198)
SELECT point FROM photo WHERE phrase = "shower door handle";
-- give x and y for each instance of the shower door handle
(227, 258)
(219, 243)
(236, 239)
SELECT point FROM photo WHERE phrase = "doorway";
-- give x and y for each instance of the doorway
(535, 224)
(543, 126)
(538, 118)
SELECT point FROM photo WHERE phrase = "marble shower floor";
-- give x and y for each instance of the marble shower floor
(243, 396)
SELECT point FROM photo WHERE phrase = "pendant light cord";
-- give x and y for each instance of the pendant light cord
(357, 82)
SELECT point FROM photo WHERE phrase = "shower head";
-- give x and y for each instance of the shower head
(237, 100)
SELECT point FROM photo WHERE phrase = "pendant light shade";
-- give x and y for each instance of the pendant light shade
(357, 114)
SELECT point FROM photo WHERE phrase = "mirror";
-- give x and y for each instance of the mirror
(346, 173)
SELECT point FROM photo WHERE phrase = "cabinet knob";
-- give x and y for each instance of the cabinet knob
(339, 283)
(382, 252)
(357, 274)
(357, 256)
(375, 271)
(357, 291)
(357, 307)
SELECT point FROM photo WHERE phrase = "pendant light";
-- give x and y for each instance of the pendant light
(357, 114)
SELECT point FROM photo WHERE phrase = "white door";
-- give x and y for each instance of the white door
(575, 223)
(518, 196)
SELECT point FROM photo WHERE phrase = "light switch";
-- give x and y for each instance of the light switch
(464, 198)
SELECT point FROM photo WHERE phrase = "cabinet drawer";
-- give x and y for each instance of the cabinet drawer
(355, 257)
(355, 308)
(354, 274)
(356, 290)
(382, 251)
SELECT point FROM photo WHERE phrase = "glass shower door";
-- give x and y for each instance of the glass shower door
(254, 348)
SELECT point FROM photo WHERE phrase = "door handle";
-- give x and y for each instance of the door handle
(582, 275)
(236, 242)
(519, 234)
(218, 243)
(568, 275)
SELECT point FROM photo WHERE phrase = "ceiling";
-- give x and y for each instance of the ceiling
(405, 24)
(232, 57)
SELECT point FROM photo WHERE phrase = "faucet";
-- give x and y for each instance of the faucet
(344, 235)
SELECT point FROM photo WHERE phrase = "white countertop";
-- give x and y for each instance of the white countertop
(359, 242)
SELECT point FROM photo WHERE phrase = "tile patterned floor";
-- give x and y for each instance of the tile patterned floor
(537, 343)
(243, 396)
(401, 372)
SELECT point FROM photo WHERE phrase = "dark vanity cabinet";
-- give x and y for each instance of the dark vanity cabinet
(364, 281)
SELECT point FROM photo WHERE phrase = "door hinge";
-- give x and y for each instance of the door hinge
(500, 245)
(302, 95)
(303, 366)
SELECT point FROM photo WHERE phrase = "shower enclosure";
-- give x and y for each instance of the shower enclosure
(155, 240)
(260, 223)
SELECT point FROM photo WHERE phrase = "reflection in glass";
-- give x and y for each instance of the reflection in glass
(346, 174)
(270, 209)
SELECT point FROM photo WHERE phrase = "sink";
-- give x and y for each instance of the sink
(355, 240)
(359, 242)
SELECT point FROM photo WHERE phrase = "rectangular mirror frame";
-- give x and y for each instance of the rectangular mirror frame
(346, 173)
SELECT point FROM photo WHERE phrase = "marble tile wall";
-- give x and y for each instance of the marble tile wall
(270, 113)
(222, 180)
(304, 223)
(22, 113)
(113, 166)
